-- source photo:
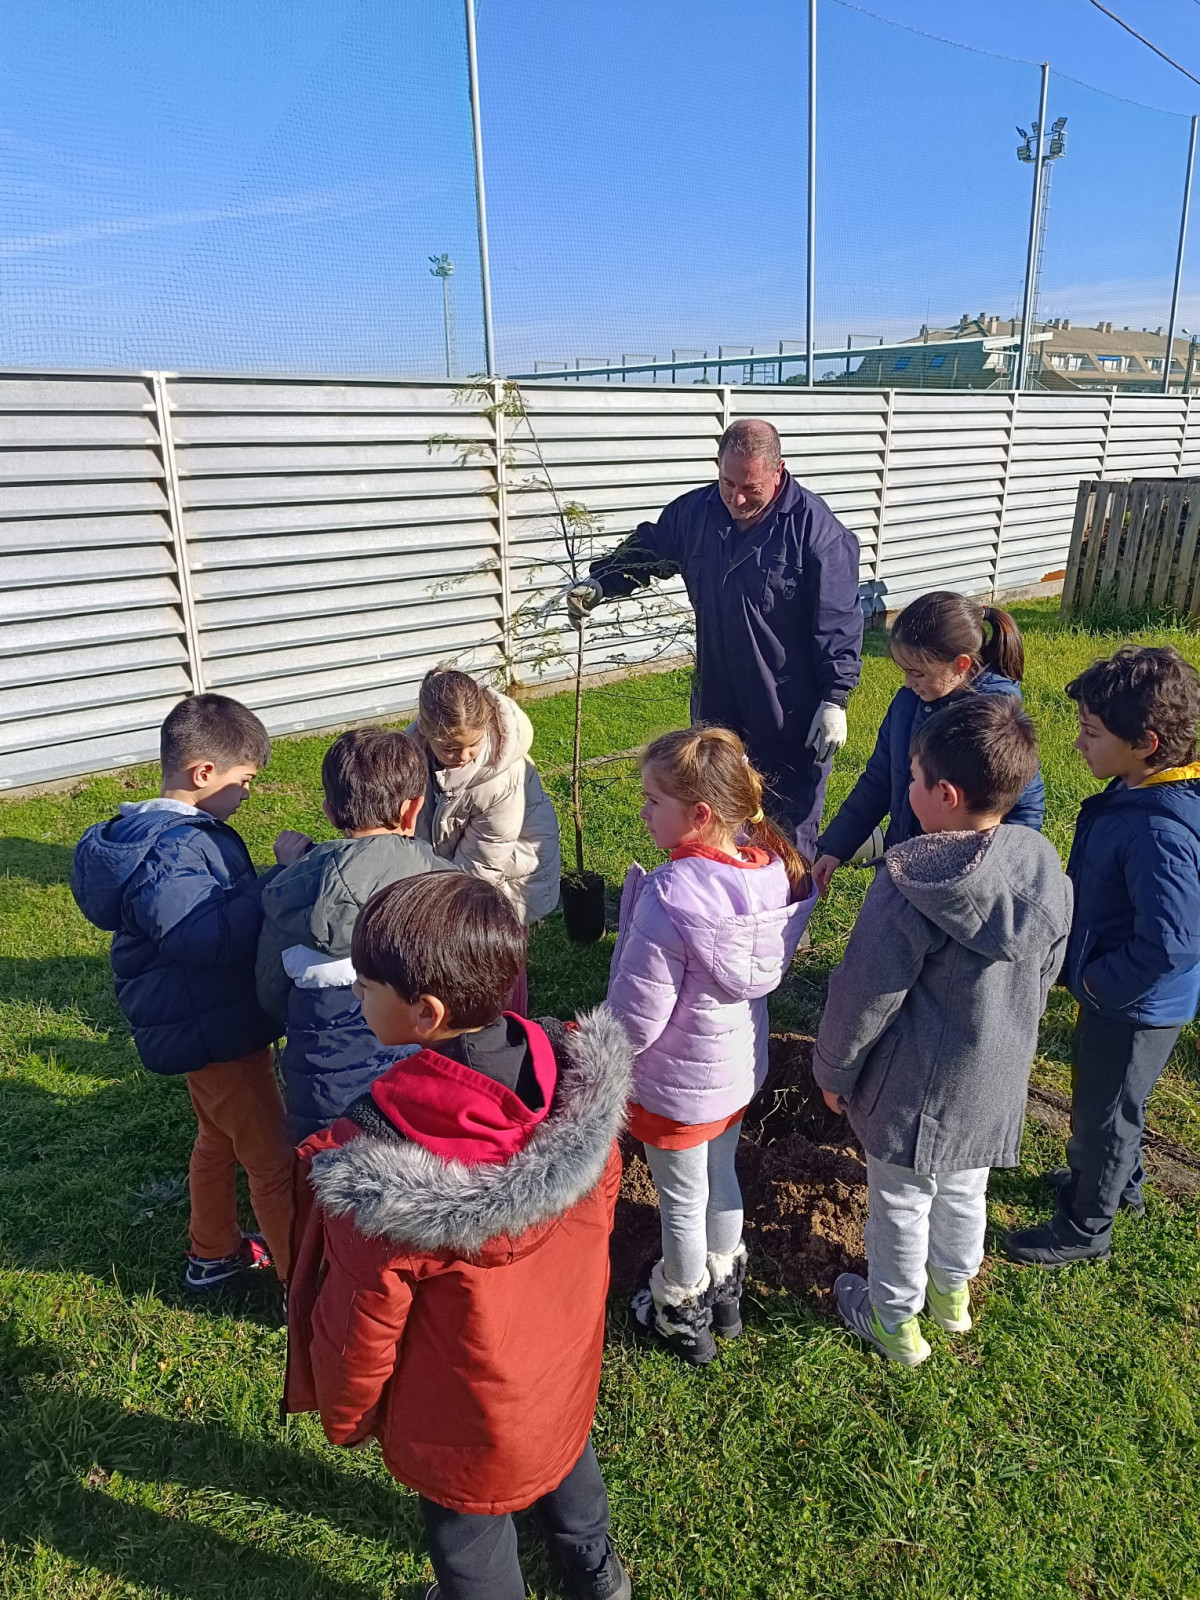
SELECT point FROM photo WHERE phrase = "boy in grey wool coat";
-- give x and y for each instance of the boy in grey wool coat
(931, 1022)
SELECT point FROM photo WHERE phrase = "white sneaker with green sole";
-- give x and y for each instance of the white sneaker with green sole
(952, 1310)
(907, 1345)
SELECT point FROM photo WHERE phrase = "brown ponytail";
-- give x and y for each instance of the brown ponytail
(709, 766)
(1004, 650)
(942, 626)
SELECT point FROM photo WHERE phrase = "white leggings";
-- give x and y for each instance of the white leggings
(700, 1204)
(918, 1225)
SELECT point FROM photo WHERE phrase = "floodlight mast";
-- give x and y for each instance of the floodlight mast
(442, 267)
(1038, 152)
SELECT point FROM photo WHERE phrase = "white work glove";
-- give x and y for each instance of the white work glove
(827, 734)
(581, 598)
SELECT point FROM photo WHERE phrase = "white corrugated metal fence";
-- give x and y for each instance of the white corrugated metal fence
(313, 547)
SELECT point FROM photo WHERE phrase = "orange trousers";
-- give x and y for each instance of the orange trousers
(241, 1120)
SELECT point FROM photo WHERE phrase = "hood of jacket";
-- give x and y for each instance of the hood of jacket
(738, 923)
(316, 900)
(1001, 894)
(511, 742)
(396, 1190)
(109, 853)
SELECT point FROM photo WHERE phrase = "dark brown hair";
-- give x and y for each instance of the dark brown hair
(452, 702)
(368, 774)
(942, 626)
(1145, 689)
(212, 727)
(446, 935)
(984, 745)
(710, 766)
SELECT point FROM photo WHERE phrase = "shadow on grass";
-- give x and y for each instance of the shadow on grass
(35, 861)
(63, 1451)
(82, 985)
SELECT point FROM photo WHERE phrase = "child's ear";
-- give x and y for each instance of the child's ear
(1146, 747)
(949, 796)
(702, 815)
(409, 812)
(200, 774)
(431, 1015)
(962, 663)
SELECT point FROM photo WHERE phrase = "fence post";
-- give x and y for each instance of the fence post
(1183, 432)
(507, 648)
(1014, 406)
(726, 406)
(183, 571)
(1108, 421)
(889, 405)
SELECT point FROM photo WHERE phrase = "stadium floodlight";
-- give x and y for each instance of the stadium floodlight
(442, 267)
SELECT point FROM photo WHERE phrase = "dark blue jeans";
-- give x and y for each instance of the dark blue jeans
(475, 1557)
(1114, 1066)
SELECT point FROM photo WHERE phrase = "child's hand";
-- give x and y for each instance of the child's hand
(290, 846)
(835, 1103)
(824, 870)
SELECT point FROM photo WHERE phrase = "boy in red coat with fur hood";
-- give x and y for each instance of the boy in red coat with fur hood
(447, 1295)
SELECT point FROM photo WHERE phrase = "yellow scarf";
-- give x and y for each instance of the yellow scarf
(1171, 775)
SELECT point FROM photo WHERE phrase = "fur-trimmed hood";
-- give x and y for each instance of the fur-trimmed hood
(395, 1190)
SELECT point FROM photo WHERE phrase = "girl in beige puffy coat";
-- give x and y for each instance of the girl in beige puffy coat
(485, 808)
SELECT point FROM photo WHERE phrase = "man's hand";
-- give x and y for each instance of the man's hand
(835, 1103)
(290, 845)
(827, 733)
(586, 593)
(823, 871)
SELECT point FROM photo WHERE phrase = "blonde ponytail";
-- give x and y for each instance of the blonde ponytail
(709, 766)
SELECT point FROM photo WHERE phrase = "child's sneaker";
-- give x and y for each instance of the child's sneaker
(202, 1274)
(907, 1345)
(952, 1310)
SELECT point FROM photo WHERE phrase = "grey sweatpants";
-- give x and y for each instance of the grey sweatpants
(700, 1204)
(919, 1225)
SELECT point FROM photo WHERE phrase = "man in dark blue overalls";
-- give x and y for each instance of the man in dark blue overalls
(772, 576)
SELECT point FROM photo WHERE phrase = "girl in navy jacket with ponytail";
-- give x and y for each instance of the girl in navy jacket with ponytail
(946, 645)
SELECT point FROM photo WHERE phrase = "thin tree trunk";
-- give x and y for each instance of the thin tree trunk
(577, 754)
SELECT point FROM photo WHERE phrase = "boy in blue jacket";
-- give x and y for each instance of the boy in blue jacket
(1133, 959)
(175, 885)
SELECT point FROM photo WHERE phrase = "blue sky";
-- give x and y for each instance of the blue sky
(258, 183)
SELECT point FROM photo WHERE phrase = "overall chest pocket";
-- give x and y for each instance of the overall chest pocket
(779, 585)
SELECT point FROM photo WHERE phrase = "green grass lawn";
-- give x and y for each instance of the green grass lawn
(1051, 1453)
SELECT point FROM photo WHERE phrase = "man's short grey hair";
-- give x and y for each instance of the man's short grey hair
(751, 438)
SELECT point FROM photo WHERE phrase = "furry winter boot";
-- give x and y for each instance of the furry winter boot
(681, 1317)
(728, 1274)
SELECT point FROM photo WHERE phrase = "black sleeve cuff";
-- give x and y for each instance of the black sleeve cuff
(838, 697)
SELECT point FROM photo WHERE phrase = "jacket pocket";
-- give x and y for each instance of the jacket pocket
(876, 1074)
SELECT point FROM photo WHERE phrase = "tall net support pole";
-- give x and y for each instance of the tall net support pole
(1035, 212)
(1183, 222)
(485, 277)
(811, 272)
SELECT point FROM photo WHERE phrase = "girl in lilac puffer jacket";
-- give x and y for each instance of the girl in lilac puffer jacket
(704, 939)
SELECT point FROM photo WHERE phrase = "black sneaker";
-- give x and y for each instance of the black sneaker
(607, 1582)
(205, 1273)
(1040, 1247)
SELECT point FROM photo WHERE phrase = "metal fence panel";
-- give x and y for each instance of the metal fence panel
(342, 537)
(92, 639)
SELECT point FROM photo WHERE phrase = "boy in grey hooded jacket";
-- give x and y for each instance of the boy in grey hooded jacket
(930, 1025)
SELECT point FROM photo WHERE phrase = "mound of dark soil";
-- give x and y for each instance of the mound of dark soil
(802, 1177)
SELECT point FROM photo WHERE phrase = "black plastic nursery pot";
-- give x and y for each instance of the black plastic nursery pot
(583, 907)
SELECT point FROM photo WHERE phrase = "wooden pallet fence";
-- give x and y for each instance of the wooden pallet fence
(1135, 543)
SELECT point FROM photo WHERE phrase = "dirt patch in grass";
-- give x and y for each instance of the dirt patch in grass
(803, 1180)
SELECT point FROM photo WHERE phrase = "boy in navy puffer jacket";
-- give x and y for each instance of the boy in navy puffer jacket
(175, 885)
(1133, 960)
(374, 784)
